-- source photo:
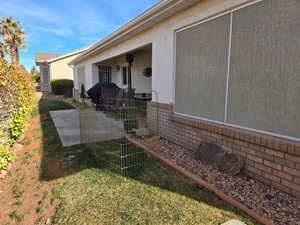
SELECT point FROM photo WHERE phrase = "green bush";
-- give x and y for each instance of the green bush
(61, 86)
(36, 77)
(16, 95)
(6, 156)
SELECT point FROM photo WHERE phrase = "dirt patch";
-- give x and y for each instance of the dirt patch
(24, 198)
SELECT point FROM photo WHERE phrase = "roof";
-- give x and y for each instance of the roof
(42, 57)
(157, 13)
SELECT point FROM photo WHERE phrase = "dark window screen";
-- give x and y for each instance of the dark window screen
(201, 69)
(264, 84)
(104, 74)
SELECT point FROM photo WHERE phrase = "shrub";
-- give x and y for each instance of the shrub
(6, 156)
(36, 77)
(16, 95)
(61, 86)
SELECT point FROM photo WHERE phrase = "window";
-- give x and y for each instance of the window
(201, 66)
(104, 74)
(124, 75)
(250, 80)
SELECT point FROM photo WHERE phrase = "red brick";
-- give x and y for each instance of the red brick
(263, 168)
(292, 171)
(273, 165)
(293, 158)
(254, 158)
(253, 170)
(282, 175)
(291, 185)
(272, 177)
(275, 153)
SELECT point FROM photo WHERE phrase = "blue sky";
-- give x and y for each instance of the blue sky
(60, 26)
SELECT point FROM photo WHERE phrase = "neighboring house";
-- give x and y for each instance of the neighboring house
(223, 70)
(55, 66)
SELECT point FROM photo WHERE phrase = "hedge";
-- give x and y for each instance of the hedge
(62, 86)
(16, 95)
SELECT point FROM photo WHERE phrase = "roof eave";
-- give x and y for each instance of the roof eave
(149, 15)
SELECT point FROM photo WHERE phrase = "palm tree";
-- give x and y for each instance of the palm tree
(13, 36)
(3, 49)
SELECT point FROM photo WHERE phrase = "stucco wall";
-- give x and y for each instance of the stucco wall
(162, 38)
(60, 70)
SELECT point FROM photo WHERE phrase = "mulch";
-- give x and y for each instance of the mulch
(280, 207)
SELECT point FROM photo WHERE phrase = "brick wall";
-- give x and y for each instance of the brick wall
(272, 160)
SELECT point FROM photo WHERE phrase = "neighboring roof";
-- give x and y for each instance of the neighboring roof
(42, 57)
(160, 11)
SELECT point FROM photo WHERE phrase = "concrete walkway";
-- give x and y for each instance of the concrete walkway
(94, 126)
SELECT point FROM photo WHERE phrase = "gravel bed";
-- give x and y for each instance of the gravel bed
(281, 208)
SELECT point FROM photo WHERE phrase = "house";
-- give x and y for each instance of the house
(55, 66)
(222, 70)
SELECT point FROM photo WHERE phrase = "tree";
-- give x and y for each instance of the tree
(13, 36)
(34, 71)
(3, 49)
(35, 74)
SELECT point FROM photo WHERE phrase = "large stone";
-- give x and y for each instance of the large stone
(231, 164)
(209, 153)
(214, 155)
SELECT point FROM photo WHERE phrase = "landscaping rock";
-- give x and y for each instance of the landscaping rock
(231, 164)
(268, 201)
(213, 155)
(209, 153)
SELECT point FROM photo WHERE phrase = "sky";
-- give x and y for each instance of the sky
(59, 26)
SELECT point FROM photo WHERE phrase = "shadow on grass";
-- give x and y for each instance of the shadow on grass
(60, 162)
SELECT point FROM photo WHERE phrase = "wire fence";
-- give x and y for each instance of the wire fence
(108, 128)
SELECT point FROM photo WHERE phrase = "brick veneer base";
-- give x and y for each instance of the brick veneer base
(274, 161)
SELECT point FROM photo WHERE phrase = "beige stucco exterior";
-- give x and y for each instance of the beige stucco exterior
(60, 69)
(161, 36)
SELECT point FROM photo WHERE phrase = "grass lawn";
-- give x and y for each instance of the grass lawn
(88, 195)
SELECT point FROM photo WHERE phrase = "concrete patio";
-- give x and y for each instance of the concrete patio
(86, 126)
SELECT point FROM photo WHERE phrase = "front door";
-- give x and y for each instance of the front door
(104, 74)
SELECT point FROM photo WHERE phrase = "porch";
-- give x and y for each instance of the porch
(130, 70)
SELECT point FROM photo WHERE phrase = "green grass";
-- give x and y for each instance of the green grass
(15, 216)
(91, 195)
(17, 191)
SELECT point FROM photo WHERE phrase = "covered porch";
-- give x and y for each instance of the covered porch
(131, 69)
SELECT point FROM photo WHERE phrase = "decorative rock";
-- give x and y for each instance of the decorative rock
(209, 153)
(231, 164)
(214, 155)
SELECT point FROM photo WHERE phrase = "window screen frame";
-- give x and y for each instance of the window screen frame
(224, 123)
